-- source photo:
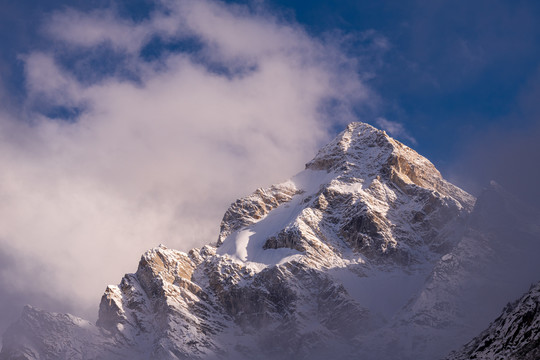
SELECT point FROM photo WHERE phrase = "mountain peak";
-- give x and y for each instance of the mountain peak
(363, 192)
(357, 141)
(319, 266)
(370, 152)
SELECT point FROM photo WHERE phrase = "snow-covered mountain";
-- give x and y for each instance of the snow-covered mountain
(366, 253)
(495, 261)
(515, 335)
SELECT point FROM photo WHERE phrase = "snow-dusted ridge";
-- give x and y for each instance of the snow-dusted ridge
(347, 259)
(362, 168)
(248, 244)
(514, 335)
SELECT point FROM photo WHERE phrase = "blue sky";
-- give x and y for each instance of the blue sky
(451, 72)
(143, 120)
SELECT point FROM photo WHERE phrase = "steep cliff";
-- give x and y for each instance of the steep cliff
(340, 261)
(514, 335)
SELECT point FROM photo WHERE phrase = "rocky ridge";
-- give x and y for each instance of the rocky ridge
(333, 262)
(514, 335)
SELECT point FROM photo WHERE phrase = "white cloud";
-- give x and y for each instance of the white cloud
(92, 29)
(395, 129)
(159, 160)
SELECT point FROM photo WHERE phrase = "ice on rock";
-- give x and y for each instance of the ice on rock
(354, 257)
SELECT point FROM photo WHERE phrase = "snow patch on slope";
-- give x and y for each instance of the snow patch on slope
(247, 244)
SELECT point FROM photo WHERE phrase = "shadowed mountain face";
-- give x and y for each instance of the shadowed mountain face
(367, 253)
(514, 335)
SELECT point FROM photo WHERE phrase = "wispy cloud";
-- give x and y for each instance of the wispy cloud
(395, 129)
(507, 152)
(156, 158)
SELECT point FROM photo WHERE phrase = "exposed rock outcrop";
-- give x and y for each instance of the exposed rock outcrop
(330, 264)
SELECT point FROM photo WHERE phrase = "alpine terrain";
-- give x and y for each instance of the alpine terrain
(366, 254)
(515, 335)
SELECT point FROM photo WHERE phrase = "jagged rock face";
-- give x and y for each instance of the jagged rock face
(250, 209)
(515, 335)
(321, 266)
(180, 306)
(371, 152)
(363, 192)
(160, 311)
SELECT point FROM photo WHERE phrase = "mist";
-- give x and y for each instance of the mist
(120, 145)
(507, 151)
(134, 132)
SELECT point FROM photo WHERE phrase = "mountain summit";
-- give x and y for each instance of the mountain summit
(347, 259)
(363, 194)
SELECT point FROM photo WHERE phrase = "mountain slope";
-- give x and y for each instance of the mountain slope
(494, 261)
(515, 335)
(340, 261)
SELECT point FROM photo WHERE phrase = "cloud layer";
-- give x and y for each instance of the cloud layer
(116, 152)
(395, 129)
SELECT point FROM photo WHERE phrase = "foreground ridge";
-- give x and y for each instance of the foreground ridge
(514, 335)
(366, 253)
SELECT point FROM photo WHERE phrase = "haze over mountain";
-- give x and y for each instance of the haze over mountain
(366, 253)
(129, 123)
(514, 335)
